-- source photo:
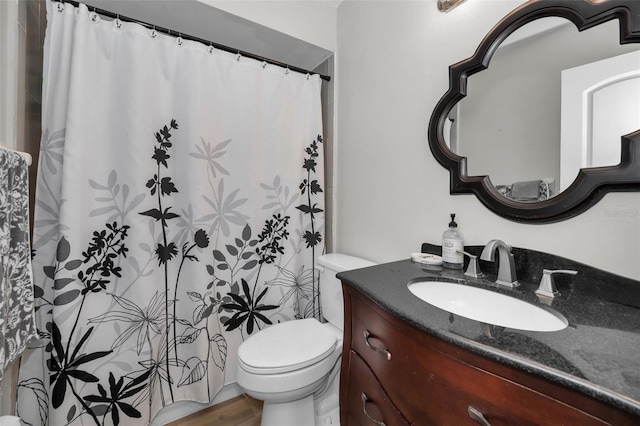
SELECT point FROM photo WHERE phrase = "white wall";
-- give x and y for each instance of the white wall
(391, 193)
(312, 21)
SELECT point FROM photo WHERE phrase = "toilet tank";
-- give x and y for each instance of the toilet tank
(331, 301)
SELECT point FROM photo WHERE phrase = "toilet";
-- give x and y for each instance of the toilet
(294, 366)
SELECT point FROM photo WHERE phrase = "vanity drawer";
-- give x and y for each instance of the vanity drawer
(368, 402)
(430, 386)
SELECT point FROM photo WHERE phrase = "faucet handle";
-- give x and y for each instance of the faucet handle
(473, 269)
(547, 286)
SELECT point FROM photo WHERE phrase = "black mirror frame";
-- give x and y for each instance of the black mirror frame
(591, 184)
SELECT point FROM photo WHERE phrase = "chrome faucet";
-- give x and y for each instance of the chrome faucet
(547, 285)
(506, 265)
(473, 269)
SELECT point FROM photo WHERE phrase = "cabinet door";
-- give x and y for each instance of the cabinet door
(430, 387)
(368, 404)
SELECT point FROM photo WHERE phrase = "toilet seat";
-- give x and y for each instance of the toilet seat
(286, 347)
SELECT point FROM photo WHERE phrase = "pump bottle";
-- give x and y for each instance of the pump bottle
(452, 244)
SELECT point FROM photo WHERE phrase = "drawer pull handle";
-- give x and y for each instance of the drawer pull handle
(477, 416)
(364, 410)
(370, 346)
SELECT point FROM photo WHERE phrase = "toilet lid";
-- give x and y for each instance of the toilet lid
(286, 347)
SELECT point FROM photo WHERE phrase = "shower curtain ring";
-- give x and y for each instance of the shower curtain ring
(153, 33)
(238, 56)
(93, 16)
(211, 48)
(179, 40)
(117, 22)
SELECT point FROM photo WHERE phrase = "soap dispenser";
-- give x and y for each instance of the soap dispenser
(452, 246)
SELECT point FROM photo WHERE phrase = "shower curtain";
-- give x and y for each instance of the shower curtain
(179, 210)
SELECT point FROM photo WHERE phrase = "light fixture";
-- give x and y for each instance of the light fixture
(447, 5)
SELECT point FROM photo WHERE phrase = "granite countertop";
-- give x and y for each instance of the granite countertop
(598, 354)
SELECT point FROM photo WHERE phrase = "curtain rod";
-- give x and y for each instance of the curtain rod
(194, 38)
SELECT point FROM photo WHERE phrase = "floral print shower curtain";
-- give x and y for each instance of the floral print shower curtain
(179, 210)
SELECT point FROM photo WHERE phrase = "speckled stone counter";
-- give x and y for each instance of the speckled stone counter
(598, 354)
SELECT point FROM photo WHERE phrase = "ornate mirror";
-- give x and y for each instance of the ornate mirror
(553, 121)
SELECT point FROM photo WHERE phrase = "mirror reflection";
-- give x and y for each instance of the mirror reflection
(544, 108)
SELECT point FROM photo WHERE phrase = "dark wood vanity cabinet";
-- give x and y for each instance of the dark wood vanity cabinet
(395, 374)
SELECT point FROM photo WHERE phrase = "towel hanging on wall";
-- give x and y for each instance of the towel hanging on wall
(17, 320)
(27, 157)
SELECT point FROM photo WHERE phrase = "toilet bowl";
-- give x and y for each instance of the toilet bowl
(293, 366)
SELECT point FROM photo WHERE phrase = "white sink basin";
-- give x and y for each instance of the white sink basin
(488, 306)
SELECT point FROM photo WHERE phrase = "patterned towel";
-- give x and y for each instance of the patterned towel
(537, 190)
(17, 319)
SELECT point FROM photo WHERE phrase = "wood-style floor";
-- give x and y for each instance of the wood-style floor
(239, 411)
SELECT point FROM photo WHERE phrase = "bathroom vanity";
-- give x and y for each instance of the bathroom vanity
(408, 362)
